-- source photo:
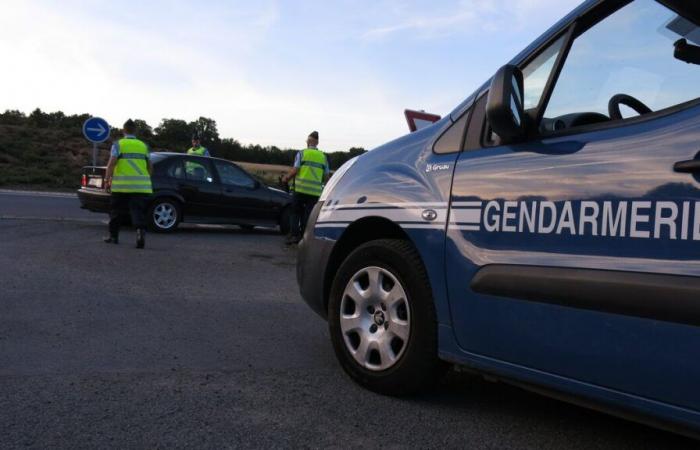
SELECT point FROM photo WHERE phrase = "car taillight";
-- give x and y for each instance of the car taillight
(83, 180)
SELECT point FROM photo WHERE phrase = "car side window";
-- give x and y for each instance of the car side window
(452, 139)
(176, 170)
(624, 67)
(233, 176)
(198, 171)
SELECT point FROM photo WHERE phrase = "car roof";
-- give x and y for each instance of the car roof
(182, 155)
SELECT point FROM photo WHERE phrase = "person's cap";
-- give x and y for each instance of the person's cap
(129, 124)
(314, 134)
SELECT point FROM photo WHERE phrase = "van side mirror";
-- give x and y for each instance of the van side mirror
(504, 105)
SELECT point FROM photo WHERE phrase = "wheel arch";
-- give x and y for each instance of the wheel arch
(359, 232)
(168, 194)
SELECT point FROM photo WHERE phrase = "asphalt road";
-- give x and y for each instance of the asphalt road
(201, 340)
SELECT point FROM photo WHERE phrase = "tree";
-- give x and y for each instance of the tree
(173, 134)
(12, 117)
(205, 128)
(39, 119)
(143, 129)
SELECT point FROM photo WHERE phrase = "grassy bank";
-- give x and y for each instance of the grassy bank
(52, 159)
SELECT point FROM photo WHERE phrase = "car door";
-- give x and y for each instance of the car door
(243, 198)
(577, 252)
(198, 185)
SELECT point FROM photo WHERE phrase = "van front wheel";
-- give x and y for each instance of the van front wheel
(382, 319)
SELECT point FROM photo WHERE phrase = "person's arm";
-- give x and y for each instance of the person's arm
(109, 172)
(292, 173)
(148, 161)
(326, 171)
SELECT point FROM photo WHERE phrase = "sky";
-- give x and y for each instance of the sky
(269, 72)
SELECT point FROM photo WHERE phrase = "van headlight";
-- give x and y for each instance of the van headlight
(336, 178)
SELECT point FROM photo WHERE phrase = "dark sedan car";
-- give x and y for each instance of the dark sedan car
(197, 189)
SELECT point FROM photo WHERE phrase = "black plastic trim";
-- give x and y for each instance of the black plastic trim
(669, 298)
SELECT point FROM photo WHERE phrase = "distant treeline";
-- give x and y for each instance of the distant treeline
(175, 135)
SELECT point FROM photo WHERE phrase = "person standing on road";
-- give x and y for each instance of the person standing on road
(309, 173)
(197, 148)
(128, 178)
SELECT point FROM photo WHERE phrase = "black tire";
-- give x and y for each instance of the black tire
(418, 367)
(285, 220)
(167, 202)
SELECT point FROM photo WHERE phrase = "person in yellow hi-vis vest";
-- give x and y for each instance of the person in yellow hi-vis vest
(128, 178)
(309, 173)
(197, 147)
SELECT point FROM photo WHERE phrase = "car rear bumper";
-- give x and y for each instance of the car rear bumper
(312, 260)
(95, 200)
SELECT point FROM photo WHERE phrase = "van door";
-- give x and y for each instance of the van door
(577, 253)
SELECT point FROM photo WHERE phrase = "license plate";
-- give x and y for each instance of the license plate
(96, 182)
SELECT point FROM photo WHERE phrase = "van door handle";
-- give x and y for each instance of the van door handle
(689, 166)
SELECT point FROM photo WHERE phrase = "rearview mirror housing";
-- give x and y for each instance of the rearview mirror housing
(504, 106)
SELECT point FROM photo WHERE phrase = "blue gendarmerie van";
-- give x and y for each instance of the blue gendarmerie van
(545, 233)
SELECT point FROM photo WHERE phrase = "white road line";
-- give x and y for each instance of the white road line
(53, 219)
(37, 193)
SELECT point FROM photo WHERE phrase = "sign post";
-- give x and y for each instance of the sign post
(95, 130)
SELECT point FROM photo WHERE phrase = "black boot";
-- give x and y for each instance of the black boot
(113, 239)
(140, 238)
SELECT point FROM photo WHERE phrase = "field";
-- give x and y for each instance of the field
(53, 159)
(268, 172)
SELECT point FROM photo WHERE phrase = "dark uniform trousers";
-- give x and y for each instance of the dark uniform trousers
(124, 206)
(302, 204)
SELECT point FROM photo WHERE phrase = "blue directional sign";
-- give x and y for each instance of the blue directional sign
(96, 130)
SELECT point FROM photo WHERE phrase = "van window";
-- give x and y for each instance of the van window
(452, 140)
(537, 72)
(631, 53)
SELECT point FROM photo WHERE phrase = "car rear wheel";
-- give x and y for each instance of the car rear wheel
(382, 319)
(164, 215)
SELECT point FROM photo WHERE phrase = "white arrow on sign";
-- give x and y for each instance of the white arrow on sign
(99, 128)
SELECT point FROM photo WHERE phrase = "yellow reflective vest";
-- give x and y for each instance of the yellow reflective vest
(131, 172)
(309, 178)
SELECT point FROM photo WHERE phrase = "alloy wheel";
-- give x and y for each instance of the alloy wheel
(375, 318)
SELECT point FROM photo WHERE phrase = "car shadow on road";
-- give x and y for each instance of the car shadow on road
(225, 229)
(464, 392)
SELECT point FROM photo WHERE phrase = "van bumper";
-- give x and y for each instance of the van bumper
(312, 261)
